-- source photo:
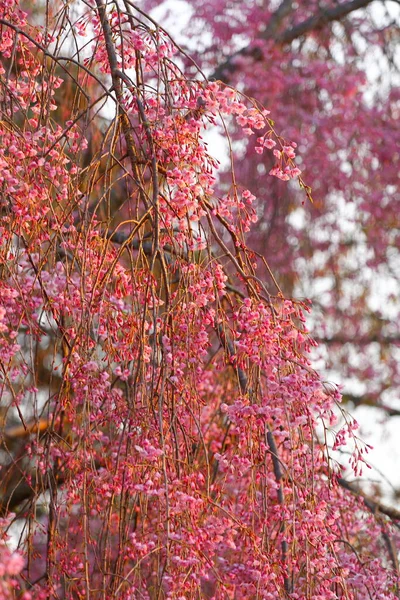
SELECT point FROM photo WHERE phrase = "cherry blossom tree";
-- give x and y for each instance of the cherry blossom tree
(164, 434)
(329, 72)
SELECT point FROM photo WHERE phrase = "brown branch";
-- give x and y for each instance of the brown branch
(20, 431)
(56, 59)
(25, 491)
(359, 341)
(227, 344)
(370, 401)
(392, 551)
(276, 19)
(315, 23)
(117, 86)
(324, 17)
(273, 450)
(29, 490)
(373, 505)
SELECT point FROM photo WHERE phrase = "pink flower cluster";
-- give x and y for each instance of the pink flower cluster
(173, 450)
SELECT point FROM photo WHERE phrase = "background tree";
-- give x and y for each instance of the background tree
(164, 434)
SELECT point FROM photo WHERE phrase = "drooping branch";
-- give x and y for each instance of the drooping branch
(117, 86)
(114, 469)
(58, 59)
(269, 438)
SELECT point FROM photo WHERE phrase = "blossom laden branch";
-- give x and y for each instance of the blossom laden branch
(172, 446)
